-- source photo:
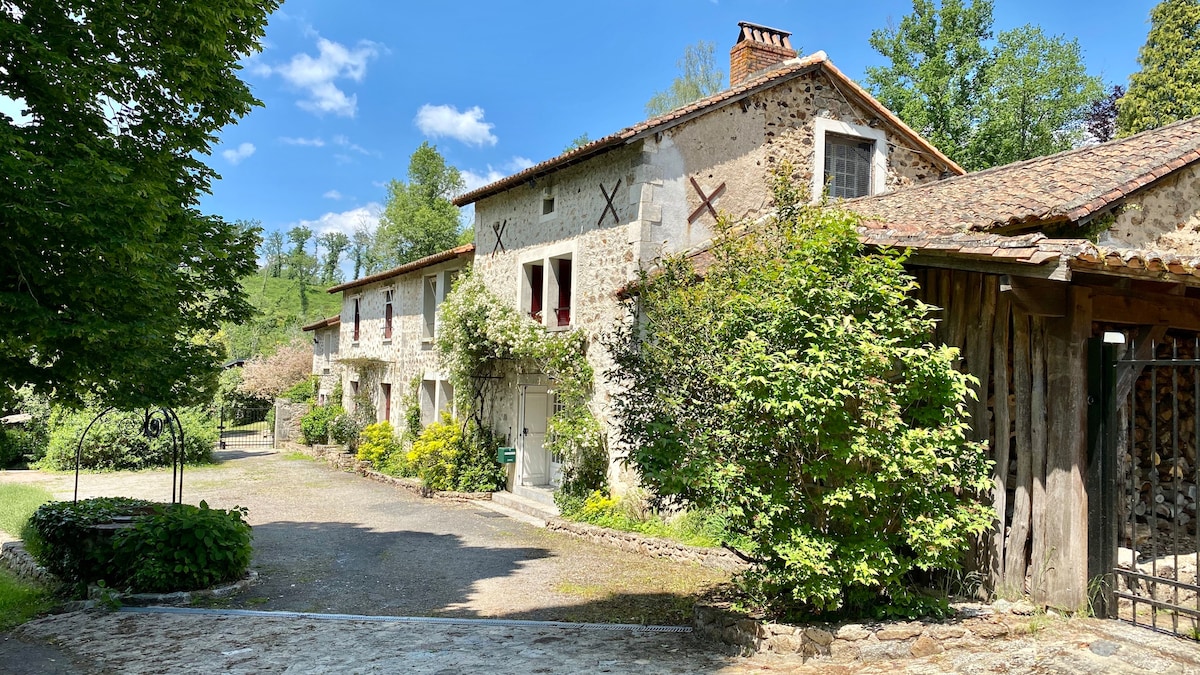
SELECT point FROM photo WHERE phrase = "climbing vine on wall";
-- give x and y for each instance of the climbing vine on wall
(478, 331)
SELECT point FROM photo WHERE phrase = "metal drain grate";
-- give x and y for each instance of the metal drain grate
(409, 619)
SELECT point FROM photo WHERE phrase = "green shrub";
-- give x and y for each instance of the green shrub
(181, 547)
(378, 443)
(478, 470)
(303, 391)
(345, 430)
(61, 537)
(314, 425)
(115, 441)
(630, 514)
(433, 455)
(170, 547)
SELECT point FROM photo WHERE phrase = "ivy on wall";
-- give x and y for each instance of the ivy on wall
(478, 332)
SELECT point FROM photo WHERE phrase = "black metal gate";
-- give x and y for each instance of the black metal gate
(1144, 478)
(247, 427)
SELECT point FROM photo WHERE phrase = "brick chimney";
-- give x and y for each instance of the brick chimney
(757, 50)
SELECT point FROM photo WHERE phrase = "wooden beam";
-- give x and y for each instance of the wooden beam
(1146, 341)
(1038, 549)
(1036, 297)
(1053, 269)
(1000, 432)
(1016, 548)
(1129, 307)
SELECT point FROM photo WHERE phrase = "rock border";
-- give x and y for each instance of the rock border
(96, 593)
(971, 625)
(337, 457)
(14, 556)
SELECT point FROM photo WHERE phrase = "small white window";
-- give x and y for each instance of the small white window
(848, 160)
(549, 203)
(429, 303)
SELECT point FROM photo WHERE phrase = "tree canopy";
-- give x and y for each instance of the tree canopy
(112, 276)
(698, 78)
(1024, 96)
(418, 219)
(1167, 88)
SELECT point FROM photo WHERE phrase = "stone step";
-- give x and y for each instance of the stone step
(543, 495)
(537, 509)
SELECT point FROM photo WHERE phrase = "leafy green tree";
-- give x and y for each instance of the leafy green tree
(936, 77)
(111, 276)
(793, 388)
(299, 262)
(1167, 88)
(1038, 99)
(335, 244)
(273, 252)
(360, 249)
(698, 78)
(418, 219)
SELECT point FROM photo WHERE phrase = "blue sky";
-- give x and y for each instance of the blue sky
(351, 88)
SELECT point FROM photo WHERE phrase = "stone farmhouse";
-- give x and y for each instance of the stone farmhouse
(383, 339)
(1033, 266)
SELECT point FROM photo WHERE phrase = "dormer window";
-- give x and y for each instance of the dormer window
(849, 160)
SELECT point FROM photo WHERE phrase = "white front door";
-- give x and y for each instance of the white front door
(533, 461)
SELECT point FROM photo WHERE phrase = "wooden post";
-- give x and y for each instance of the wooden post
(1016, 550)
(1038, 555)
(1000, 443)
(1065, 524)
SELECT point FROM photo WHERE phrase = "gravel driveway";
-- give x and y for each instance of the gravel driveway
(327, 541)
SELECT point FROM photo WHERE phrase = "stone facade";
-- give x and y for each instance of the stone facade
(619, 211)
(1164, 216)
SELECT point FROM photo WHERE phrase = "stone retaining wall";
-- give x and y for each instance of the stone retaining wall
(337, 457)
(14, 556)
(840, 643)
(717, 558)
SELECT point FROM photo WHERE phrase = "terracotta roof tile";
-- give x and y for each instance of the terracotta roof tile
(1069, 186)
(323, 323)
(427, 261)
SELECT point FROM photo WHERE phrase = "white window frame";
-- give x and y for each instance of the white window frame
(429, 313)
(389, 298)
(545, 256)
(356, 322)
(879, 152)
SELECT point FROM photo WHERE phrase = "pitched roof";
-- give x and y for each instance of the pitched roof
(788, 70)
(427, 261)
(323, 323)
(1071, 186)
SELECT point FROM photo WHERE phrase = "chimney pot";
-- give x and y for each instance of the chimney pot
(757, 50)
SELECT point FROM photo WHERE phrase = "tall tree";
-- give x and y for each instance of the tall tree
(273, 252)
(1100, 119)
(110, 271)
(936, 79)
(1039, 96)
(360, 249)
(335, 244)
(698, 78)
(1167, 88)
(300, 263)
(418, 219)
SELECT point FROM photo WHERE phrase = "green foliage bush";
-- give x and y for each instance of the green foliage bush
(169, 547)
(794, 388)
(630, 514)
(315, 424)
(115, 442)
(60, 536)
(446, 458)
(434, 454)
(302, 391)
(345, 430)
(478, 470)
(377, 443)
(183, 547)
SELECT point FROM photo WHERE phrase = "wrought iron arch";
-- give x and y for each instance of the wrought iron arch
(154, 423)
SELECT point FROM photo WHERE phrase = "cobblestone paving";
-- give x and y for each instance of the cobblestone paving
(136, 643)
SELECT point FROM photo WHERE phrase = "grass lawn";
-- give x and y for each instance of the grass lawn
(17, 503)
(21, 600)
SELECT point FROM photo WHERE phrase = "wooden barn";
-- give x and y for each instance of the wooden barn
(1035, 266)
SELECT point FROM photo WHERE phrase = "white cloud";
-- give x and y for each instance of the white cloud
(308, 142)
(236, 155)
(345, 143)
(476, 179)
(332, 194)
(445, 120)
(345, 222)
(14, 108)
(317, 75)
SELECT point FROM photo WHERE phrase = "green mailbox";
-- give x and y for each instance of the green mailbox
(506, 455)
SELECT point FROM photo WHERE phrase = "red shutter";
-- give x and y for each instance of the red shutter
(387, 321)
(356, 319)
(536, 278)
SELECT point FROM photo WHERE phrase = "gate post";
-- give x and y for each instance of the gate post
(221, 429)
(1102, 473)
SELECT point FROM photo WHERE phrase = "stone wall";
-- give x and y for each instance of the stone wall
(287, 421)
(337, 457)
(864, 642)
(1165, 216)
(14, 556)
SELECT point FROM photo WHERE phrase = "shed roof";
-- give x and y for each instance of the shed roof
(323, 323)
(1069, 187)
